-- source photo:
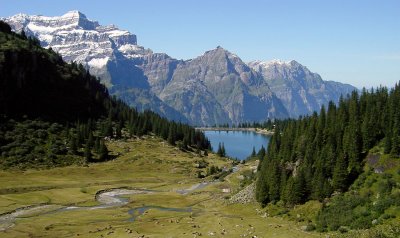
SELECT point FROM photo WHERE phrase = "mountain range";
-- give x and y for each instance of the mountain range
(214, 88)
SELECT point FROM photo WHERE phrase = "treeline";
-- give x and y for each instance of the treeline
(317, 155)
(268, 124)
(45, 100)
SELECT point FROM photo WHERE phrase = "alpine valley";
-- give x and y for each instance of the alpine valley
(214, 88)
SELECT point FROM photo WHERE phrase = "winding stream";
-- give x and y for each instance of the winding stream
(107, 199)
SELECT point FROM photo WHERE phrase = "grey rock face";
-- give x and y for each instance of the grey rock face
(301, 91)
(215, 88)
(79, 39)
(143, 99)
(108, 52)
(158, 68)
(220, 79)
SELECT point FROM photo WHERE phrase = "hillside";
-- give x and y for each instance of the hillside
(54, 113)
(346, 157)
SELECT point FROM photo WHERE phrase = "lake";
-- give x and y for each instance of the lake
(238, 144)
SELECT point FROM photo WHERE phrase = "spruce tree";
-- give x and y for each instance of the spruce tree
(97, 144)
(274, 183)
(339, 180)
(88, 153)
(118, 132)
(261, 153)
(171, 136)
(73, 145)
(219, 151)
(262, 188)
(90, 140)
(223, 152)
(253, 153)
(103, 151)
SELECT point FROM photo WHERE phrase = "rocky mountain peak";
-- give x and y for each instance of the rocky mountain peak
(216, 87)
(74, 14)
(300, 90)
(80, 20)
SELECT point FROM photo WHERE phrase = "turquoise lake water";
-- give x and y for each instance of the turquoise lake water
(238, 144)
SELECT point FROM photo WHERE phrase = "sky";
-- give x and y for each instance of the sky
(355, 42)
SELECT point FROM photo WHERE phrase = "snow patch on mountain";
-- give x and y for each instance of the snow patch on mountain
(98, 62)
(77, 38)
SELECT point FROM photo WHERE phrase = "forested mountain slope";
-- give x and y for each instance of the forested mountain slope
(214, 88)
(54, 113)
(321, 156)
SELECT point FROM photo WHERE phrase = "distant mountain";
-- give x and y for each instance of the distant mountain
(37, 83)
(219, 87)
(105, 50)
(300, 90)
(55, 114)
(215, 88)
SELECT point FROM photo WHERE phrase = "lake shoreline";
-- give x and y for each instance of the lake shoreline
(237, 142)
(256, 130)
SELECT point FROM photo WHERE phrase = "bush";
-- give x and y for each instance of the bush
(343, 229)
(310, 227)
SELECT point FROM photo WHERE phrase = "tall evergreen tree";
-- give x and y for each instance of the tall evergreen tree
(253, 153)
(88, 153)
(103, 151)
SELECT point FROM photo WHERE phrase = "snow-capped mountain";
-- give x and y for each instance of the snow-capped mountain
(214, 88)
(106, 51)
(77, 38)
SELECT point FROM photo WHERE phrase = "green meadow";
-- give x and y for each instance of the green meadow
(140, 164)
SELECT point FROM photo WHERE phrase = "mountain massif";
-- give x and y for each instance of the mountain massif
(301, 91)
(54, 114)
(214, 88)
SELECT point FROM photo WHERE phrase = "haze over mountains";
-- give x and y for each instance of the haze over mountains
(215, 88)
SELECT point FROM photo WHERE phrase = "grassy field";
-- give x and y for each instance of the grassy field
(149, 164)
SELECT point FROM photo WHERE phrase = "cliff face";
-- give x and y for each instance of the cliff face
(215, 88)
(301, 91)
(225, 87)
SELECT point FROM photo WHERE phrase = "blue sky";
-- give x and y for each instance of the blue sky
(356, 42)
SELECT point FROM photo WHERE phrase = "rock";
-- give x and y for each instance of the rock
(247, 195)
(301, 91)
(218, 87)
(214, 88)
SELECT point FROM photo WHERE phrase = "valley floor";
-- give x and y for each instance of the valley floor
(176, 203)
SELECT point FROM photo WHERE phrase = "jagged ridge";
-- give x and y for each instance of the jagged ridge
(215, 88)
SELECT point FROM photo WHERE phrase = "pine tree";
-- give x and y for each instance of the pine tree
(97, 145)
(118, 132)
(90, 140)
(73, 145)
(219, 151)
(339, 180)
(261, 153)
(395, 150)
(274, 183)
(88, 153)
(103, 151)
(171, 136)
(388, 142)
(253, 153)
(23, 35)
(223, 152)
(262, 186)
